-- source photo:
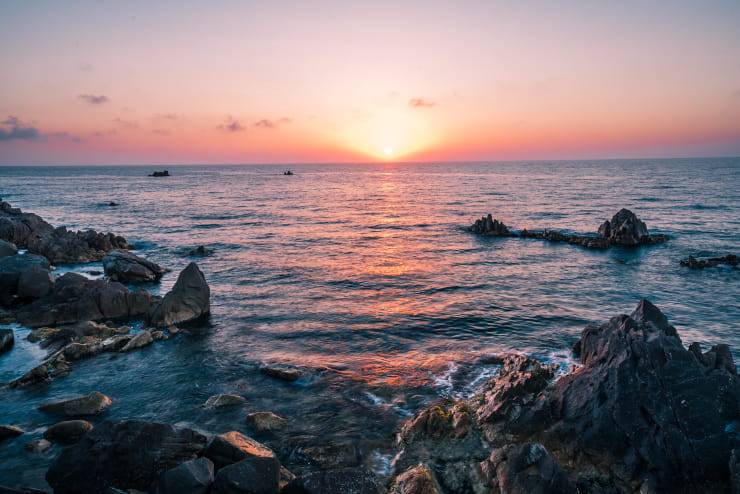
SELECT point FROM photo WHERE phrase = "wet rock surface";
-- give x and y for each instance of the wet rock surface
(122, 265)
(7, 340)
(265, 421)
(224, 400)
(8, 431)
(416, 480)
(67, 432)
(710, 262)
(7, 249)
(188, 300)
(487, 225)
(90, 404)
(282, 371)
(193, 476)
(23, 277)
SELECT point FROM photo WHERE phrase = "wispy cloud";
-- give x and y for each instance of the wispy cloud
(421, 103)
(126, 124)
(231, 125)
(12, 128)
(266, 123)
(93, 99)
(167, 116)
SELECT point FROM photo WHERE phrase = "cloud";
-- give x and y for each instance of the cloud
(93, 99)
(421, 103)
(12, 128)
(266, 123)
(231, 125)
(166, 116)
(126, 124)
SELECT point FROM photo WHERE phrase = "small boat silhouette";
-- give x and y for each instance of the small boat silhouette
(287, 172)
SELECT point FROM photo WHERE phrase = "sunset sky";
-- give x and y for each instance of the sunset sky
(261, 82)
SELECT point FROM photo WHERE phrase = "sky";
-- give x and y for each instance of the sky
(104, 82)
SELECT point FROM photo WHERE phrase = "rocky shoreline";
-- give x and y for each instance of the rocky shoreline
(641, 413)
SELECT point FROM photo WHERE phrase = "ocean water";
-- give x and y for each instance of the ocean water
(364, 275)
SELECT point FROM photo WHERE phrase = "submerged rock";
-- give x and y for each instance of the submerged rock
(266, 421)
(38, 446)
(192, 477)
(282, 371)
(140, 339)
(224, 400)
(8, 431)
(200, 251)
(58, 245)
(163, 173)
(188, 300)
(487, 225)
(122, 265)
(7, 339)
(90, 404)
(710, 262)
(67, 432)
(252, 475)
(127, 455)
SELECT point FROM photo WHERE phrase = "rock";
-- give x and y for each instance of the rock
(75, 298)
(8, 431)
(112, 204)
(735, 471)
(415, 480)
(122, 265)
(266, 421)
(526, 468)
(489, 226)
(224, 400)
(34, 283)
(354, 480)
(626, 229)
(42, 334)
(286, 476)
(281, 371)
(7, 339)
(163, 173)
(710, 262)
(37, 375)
(232, 447)
(7, 249)
(252, 475)
(33, 270)
(37, 446)
(19, 490)
(67, 432)
(193, 476)
(140, 339)
(58, 245)
(128, 455)
(200, 251)
(587, 241)
(91, 404)
(188, 300)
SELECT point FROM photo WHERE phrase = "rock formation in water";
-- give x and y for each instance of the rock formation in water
(122, 265)
(23, 278)
(710, 262)
(487, 225)
(163, 173)
(58, 245)
(188, 300)
(642, 413)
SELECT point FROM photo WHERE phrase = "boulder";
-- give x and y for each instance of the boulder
(200, 251)
(266, 421)
(90, 404)
(128, 455)
(75, 298)
(192, 477)
(67, 432)
(224, 400)
(489, 226)
(526, 468)
(122, 265)
(254, 474)
(33, 270)
(8, 431)
(7, 339)
(692, 262)
(140, 339)
(354, 480)
(232, 447)
(7, 249)
(58, 245)
(188, 300)
(34, 283)
(626, 229)
(282, 371)
(415, 480)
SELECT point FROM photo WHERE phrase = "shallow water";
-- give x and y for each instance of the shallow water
(363, 274)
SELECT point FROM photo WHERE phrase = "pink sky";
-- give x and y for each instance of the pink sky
(237, 82)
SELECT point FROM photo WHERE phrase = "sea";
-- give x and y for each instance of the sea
(365, 277)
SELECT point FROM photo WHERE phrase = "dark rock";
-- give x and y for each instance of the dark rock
(281, 371)
(163, 173)
(7, 339)
(416, 480)
(526, 468)
(140, 339)
(37, 446)
(232, 447)
(19, 490)
(266, 421)
(735, 471)
(58, 245)
(200, 251)
(37, 375)
(90, 404)
(487, 225)
(34, 283)
(32, 269)
(112, 204)
(355, 480)
(7, 249)
(626, 229)
(192, 477)
(188, 300)
(710, 262)
(128, 455)
(67, 432)
(256, 474)
(75, 298)
(122, 265)
(587, 241)
(8, 431)
(224, 400)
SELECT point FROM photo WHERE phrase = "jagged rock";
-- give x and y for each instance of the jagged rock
(253, 475)
(188, 300)
(37, 446)
(122, 265)
(266, 421)
(354, 480)
(141, 339)
(281, 371)
(8, 431)
(41, 334)
(526, 468)
(487, 225)
(7, 339)
(128, 455)
(23, 276)
(67, 432)
(75, 298)
(710, 262)
(58, 245)
(192, 477)
(232, 447)
(415, 480)
(90, 404)
(224, 400)
(7, 249)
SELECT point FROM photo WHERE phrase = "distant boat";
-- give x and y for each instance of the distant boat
(287, 172)
(164, 173)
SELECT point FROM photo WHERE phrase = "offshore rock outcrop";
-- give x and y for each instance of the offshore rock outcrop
(692, 262)
(642, 413)
(122, 265)
(58, 245)
(487, 225)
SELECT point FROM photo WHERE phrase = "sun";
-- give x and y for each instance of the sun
(388, 151)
